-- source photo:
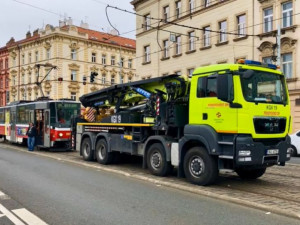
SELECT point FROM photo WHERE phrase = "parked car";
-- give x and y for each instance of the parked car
(295, 141)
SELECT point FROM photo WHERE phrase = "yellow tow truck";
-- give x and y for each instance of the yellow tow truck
(232, 117)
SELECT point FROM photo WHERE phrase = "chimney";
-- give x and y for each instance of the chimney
(28, 34)
(36, 32)
(70, 21)
(62, 23)
(84, 25)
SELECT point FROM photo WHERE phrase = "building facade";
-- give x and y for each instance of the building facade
(64, 57)
(4, 76)
(178, 36)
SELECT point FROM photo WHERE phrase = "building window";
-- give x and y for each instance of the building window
(7, 82)
(178, 45)
(268, 19)
(192, 5)
(147, 53)
(14, 81)
(1, 83)
(166, 13)
(1, 64)
(241, 25)
(190, 71)
(93, 57)
(36, 56)
(206, 36)
(73, 54)
(73, 96)
(29, 78)
(23, 79)
(23, 59)
(267, 60)
(287, 65)
(29, 58)
(122, 62)
(121, 79)
(223, 29)
(287, 14)
(147, 22)
(103, 79)
(112, 80)
(104, 59)
(178, 9)
(48, 74)
(129, 63)
(206, 3)
(112, 60)
(6, 63)
(14, 62)
(166, 48)
(192, 41)
(73, 75)
(48, 53)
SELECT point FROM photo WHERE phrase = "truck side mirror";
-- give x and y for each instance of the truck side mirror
(225, 87)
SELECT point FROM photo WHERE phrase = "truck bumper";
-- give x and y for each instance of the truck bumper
(249, 152)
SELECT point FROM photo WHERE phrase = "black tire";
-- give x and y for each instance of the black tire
(86, 149)
(250, 174)
(102, 154)
(294, 151)
(199, 167)
(157, 161)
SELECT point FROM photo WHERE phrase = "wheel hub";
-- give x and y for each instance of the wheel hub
(156, 160)
(196, 166)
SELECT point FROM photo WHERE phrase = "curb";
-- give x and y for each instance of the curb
(173, 185)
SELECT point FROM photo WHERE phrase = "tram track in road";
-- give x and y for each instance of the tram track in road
(276, 191)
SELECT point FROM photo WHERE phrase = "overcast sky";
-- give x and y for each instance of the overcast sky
(19, 16)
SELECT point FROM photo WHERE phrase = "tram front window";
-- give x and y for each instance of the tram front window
(65, 111)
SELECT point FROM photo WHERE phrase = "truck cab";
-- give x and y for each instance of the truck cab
(240, 113)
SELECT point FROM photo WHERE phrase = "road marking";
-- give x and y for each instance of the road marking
(10, 216)
(28, 217)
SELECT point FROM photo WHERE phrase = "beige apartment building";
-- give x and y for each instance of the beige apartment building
(178, 36)
(76, 52)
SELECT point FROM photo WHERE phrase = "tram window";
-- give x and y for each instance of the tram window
(2, 118)
(22, 115)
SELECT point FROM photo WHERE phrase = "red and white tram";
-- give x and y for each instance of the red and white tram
(51, 117)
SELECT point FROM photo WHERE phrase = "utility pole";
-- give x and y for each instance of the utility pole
(278, 45)
(39, 83)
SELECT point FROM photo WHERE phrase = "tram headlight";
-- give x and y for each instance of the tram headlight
(60, 134)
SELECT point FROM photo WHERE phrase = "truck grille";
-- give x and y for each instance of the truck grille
(269, 125)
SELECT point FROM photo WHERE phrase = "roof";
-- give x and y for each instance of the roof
(108, 38)
(25, 40)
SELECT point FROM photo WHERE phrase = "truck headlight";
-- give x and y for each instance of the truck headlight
(244, 152)
(60, 134)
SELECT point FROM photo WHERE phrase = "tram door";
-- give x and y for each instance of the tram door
(47, 128)
(13, 121)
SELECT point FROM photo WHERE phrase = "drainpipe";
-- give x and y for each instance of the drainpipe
(19, 71)
(253, 41)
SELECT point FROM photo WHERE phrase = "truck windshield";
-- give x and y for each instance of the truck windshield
(65, 111)
(259, 86)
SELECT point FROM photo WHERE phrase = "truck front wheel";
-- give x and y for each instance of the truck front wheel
(156, 160)
(250, 173)
(199, 167)
(102, 154)
(86, 148)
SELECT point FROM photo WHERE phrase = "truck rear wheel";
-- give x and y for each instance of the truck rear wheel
(102, 154)
(199, 167)
(86, 148)
(250, 173)
(157, 161)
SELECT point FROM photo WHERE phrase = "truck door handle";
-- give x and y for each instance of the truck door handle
(204, 116)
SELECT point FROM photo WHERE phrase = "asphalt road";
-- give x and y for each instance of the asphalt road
(63, 193)
(295, 160)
